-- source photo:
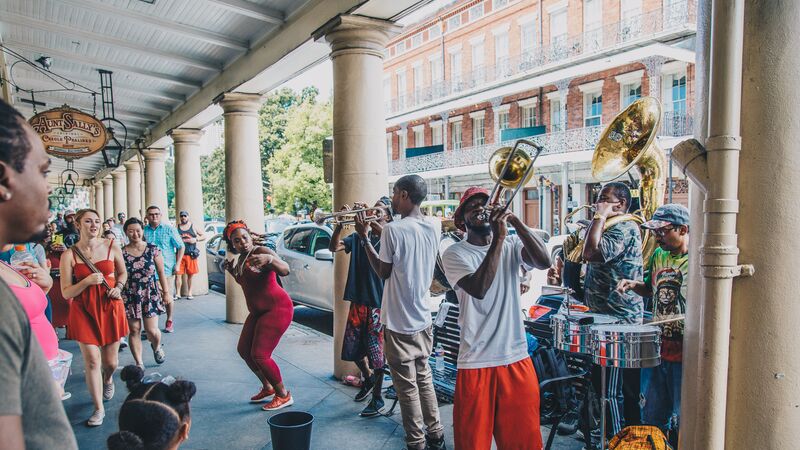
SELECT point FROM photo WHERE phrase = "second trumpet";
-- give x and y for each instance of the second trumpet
(348, 217)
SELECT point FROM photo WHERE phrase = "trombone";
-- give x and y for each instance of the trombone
(348, 217)
(510, 168)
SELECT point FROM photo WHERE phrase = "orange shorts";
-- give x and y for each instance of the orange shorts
(498, 401)
(187, 266)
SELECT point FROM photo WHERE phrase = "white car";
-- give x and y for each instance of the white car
(310, 281)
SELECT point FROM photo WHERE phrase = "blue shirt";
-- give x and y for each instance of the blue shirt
(167, 239)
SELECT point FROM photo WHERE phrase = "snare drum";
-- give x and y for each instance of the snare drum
(626, 346)
(570, 335)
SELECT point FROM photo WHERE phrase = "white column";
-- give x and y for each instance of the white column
(564, 195)
(563, 92)
(445, 130)
(99, 197)
(653, 65)
(189, 194)
(357, 45)
(120, 192)
(495, 110)
(134, 182)
(155, 180)
(244, 196)
(108, 198)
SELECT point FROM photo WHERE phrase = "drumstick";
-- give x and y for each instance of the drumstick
(671, 319)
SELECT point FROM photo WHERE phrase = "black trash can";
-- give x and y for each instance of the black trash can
(291, 430)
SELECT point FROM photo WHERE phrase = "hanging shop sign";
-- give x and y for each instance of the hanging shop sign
(69, 133)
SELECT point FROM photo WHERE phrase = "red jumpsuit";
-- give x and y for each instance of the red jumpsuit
(271, 312)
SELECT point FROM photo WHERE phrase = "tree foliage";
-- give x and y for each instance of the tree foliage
(295, 170)
(213, 168)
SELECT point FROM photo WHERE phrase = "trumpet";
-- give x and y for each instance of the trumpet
(348, 217)
(511, 168)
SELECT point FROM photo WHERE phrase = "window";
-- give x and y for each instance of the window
(455, 67)
(499, 4)
(630, 19)
(419, 137)
(478, 132)
(301, 240)
(678, 93)
(287, 237)
(416, 41)
(401, 89)
(476, 12)
(558, 27)
(389, 144)
(630, 92)
(417, 74)
(403, 138)
(436, 70)
(213, 243)
(454, 22)
(436, 135)
(502, 120)
(321, 241)
(556, 113)
(592, 24)
(527, 116)
(434, 31)
(401, 47)
(455, 133)
(527, 36)
(593, 109)
(501, 62)
(387, 88)
(478, 71)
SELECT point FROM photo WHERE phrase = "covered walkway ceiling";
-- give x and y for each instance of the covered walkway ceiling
(170, 58)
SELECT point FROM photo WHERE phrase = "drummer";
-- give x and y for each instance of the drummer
(612, 255)
(497, 392)
(668, 283)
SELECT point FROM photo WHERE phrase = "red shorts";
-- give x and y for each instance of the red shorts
(187, 266)
(497, 401)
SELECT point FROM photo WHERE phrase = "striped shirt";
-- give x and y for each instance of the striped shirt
(167, 239)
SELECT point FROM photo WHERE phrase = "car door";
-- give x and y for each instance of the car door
(321, 272)
(214, 261)
(298, 257)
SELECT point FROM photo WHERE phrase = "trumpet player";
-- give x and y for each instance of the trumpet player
(613, 254)
(363, 334)
(497, 391)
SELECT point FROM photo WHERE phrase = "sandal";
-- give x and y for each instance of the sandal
(97, 419)
(159, 355)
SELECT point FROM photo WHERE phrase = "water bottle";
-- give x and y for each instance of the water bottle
(20, 256)
(438, 353)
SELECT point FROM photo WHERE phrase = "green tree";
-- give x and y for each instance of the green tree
(213, 169)
(295, 170)
(170, 168)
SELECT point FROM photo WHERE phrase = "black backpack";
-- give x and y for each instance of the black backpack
(555, 398)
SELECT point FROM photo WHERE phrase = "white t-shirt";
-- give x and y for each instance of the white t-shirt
(411, 245)
(492, 332)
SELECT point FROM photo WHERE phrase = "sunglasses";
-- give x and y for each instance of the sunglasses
(660, 232)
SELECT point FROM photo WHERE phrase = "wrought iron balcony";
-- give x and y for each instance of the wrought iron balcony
(675, 17)
(674, 124)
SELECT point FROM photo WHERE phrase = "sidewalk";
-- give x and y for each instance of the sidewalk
(203, 350)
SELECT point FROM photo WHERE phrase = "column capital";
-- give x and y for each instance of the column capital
(653, 64)
(132, 165)
(239, 102)
(357, 34)
(186, 135)
(107, 181)
(155, 154)
(118, 174)
(563, 85)
(497, 101)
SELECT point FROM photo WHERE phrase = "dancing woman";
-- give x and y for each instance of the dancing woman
(270, 308)
(97, 316)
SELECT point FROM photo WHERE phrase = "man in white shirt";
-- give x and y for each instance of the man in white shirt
(497, 391)
(408, 249)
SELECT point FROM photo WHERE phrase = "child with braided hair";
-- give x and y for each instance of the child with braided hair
(271, 310)
(155, 416)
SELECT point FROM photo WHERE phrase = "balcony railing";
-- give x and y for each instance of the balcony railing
(677, 16)
(573, 140)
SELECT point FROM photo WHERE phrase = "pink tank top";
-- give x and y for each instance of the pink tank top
(34, 302)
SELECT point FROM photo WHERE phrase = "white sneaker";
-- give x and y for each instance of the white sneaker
(97, 419)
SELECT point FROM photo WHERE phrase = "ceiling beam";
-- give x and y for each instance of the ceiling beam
(119, 107)
(35, 75)
(38, 86)
(11, 18)
(165, 25)
(251, 10)
(124, 116)
(104, 64)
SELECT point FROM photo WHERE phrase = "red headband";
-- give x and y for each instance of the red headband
(233, 226)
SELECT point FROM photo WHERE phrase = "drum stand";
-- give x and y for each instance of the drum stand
(603, 402)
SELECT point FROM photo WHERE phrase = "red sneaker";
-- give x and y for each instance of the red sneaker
(279, 402)
(168, 327)
(262, 395)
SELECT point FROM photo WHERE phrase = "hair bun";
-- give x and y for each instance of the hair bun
(124, 440)
(132, 375)
(181, 391)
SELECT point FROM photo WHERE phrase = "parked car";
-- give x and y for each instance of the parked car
(214, 227)
(215, 256)
(310, 281)
(277, 225)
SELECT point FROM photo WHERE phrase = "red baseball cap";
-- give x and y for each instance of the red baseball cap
(458, 216)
